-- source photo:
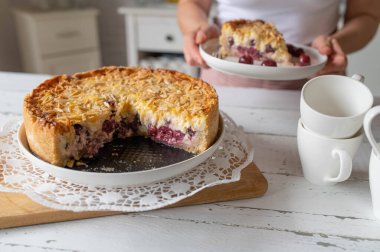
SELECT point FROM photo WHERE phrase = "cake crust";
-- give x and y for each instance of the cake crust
(62, 113)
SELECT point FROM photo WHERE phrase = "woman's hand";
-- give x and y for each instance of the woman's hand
(336, 58)
(193, 39)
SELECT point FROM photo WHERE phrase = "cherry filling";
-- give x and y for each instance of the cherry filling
(125, 129)
(246, 59)
(250, 51)
(269, 49)
(294, 51)
(230, 41)
(88, 145)
(191, 132)
(165, 134)
(92, 147)
(111, 103)
(304, 59)
(109, 126)
(269, 62)
(248, 55)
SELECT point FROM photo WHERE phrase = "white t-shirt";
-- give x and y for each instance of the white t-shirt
(300, 21)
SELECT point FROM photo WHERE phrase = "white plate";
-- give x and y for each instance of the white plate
(121, 178)
(262, 72)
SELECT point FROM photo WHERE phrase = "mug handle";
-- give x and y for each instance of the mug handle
(367, 122)
(345, 166)
(358, 77)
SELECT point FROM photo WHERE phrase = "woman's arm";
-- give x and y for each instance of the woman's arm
(193, 14)
(361, 23)
(192, 18)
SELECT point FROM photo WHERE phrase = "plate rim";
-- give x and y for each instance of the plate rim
(208, 57)
(202, 157)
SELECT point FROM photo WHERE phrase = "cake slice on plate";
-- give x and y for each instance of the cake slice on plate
(258, 42)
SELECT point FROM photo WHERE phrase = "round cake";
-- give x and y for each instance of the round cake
(70, 117)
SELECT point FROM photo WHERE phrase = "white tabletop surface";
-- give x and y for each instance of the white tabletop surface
(294, 215)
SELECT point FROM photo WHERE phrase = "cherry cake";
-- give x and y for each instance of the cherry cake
(70, 117)
(260, 43)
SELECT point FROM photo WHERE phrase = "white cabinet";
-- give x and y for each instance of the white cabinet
(154, 38)
(71, 63)
(57, 42)
(158, 34)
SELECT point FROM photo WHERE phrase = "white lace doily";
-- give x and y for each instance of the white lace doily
(17, 174)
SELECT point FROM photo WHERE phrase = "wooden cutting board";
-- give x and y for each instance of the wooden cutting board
(18, 210)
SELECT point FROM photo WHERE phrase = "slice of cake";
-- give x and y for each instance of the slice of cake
(68, 118)
(258, 42)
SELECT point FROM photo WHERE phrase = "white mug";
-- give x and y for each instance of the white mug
(334, 105)
(326, 161)
(374, 163)
(374, 182)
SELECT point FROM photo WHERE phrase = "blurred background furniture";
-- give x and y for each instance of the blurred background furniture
(58, 41)
(112, 28)
(153, 37)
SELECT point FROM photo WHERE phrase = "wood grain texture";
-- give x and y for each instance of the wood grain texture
(18, 210)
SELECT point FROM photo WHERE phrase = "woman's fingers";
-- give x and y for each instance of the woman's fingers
(323, 45)
(192, 42)
(191, 51)
(336, 47)
(206, 33)
(337, 59)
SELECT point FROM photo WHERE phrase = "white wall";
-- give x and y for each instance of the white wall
(367, 63)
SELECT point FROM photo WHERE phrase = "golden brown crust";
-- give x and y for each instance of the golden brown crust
(144, 84)
(237, 24)
(43, 139)
(212, 126)
(89, 98)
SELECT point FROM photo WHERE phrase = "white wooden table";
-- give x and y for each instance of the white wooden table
(293, 215)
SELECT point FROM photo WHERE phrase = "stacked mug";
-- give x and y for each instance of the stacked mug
(374, 162)
(335, 113)
(330, 129)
